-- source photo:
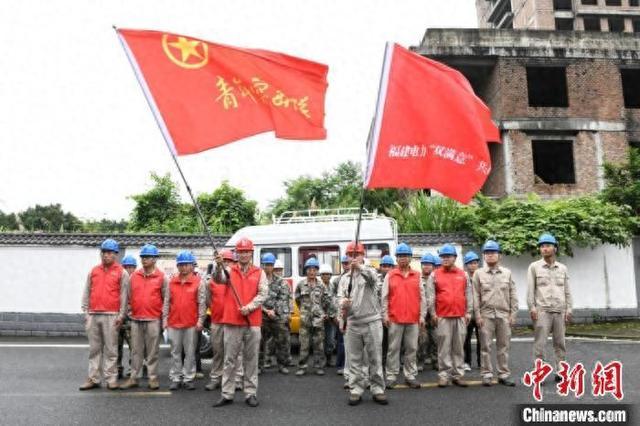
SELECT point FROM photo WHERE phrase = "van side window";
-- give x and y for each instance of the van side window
(325, 254)
(283, 254)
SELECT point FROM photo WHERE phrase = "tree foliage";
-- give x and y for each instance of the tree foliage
(161, 210)
(422, 213)
(623, 182)
(8, 221)
(517, 223)
(338, 188)
(49, 218)
(226, 209)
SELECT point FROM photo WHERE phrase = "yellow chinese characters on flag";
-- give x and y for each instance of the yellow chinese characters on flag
(207, 95)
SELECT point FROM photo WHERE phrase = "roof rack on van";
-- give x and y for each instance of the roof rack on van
(323, 215)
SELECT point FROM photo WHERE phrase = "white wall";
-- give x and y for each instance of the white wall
(44, 279)
(599, 278)
(51, 279)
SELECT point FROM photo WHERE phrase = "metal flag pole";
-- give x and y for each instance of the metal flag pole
(374, 130)
(357, 238)
(170, 146)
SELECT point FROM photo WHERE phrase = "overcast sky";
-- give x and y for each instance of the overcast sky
(75, 128)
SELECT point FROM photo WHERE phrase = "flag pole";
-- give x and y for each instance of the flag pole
(374, 130)
(169, 143)
(357, 238)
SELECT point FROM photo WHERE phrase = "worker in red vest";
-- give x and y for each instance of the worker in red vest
(450, 304)
(183, 316)
(215, 298)
(247, 289)
(147, 290)
(104, 303)
(404, 309)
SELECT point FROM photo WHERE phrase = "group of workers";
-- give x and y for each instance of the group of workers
(369, 317)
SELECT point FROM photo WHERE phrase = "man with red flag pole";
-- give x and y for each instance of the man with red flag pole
(204, 95)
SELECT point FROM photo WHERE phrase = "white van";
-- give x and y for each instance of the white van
(324, 234)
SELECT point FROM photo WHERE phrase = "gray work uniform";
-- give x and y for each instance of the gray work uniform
(495, 302)
(549, 295)
(364, 330)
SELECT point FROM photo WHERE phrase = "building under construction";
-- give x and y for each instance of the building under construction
(565, 97)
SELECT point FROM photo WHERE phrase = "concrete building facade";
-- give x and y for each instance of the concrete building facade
(615, 16)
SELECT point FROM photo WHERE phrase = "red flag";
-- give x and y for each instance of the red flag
(430, 131)
(205, 95)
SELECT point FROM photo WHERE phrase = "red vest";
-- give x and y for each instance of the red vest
(217, 292)
(183, 302)
(247, 288)
(451, 286)
(404, 297)
(145, 295)
(105, 288)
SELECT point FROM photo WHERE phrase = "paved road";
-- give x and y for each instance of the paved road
(38, 385)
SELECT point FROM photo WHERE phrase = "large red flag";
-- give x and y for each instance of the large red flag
(431, 130)
(205, 95)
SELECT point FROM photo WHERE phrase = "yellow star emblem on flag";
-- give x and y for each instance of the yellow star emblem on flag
(185, 52)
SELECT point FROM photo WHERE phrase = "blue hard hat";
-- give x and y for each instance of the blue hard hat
(428, 258)
(470, 256)
(387, 260)
(447, 250)
(438, 261)
(185, 257)
(268, 259)
(344, 258)
(129, 260)
(110, 245)
(491, 245)
(547, 239)
(404, 249)
(312, 262)
(149, 250)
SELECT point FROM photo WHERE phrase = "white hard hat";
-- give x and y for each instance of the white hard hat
(325, 269)
(278, 264)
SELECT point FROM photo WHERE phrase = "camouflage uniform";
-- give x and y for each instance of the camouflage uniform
(276, 330)
(124, 335)
(330, 326)
(427, 345)
(315, 303)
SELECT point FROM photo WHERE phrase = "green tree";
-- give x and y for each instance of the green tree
(581, 221)
(50, 218)
(623, 182)
(8, 221)
(161, 210)
(226, 209)
(341, 187)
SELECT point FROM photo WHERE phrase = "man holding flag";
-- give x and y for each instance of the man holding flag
(358, 296)
(242, 319)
